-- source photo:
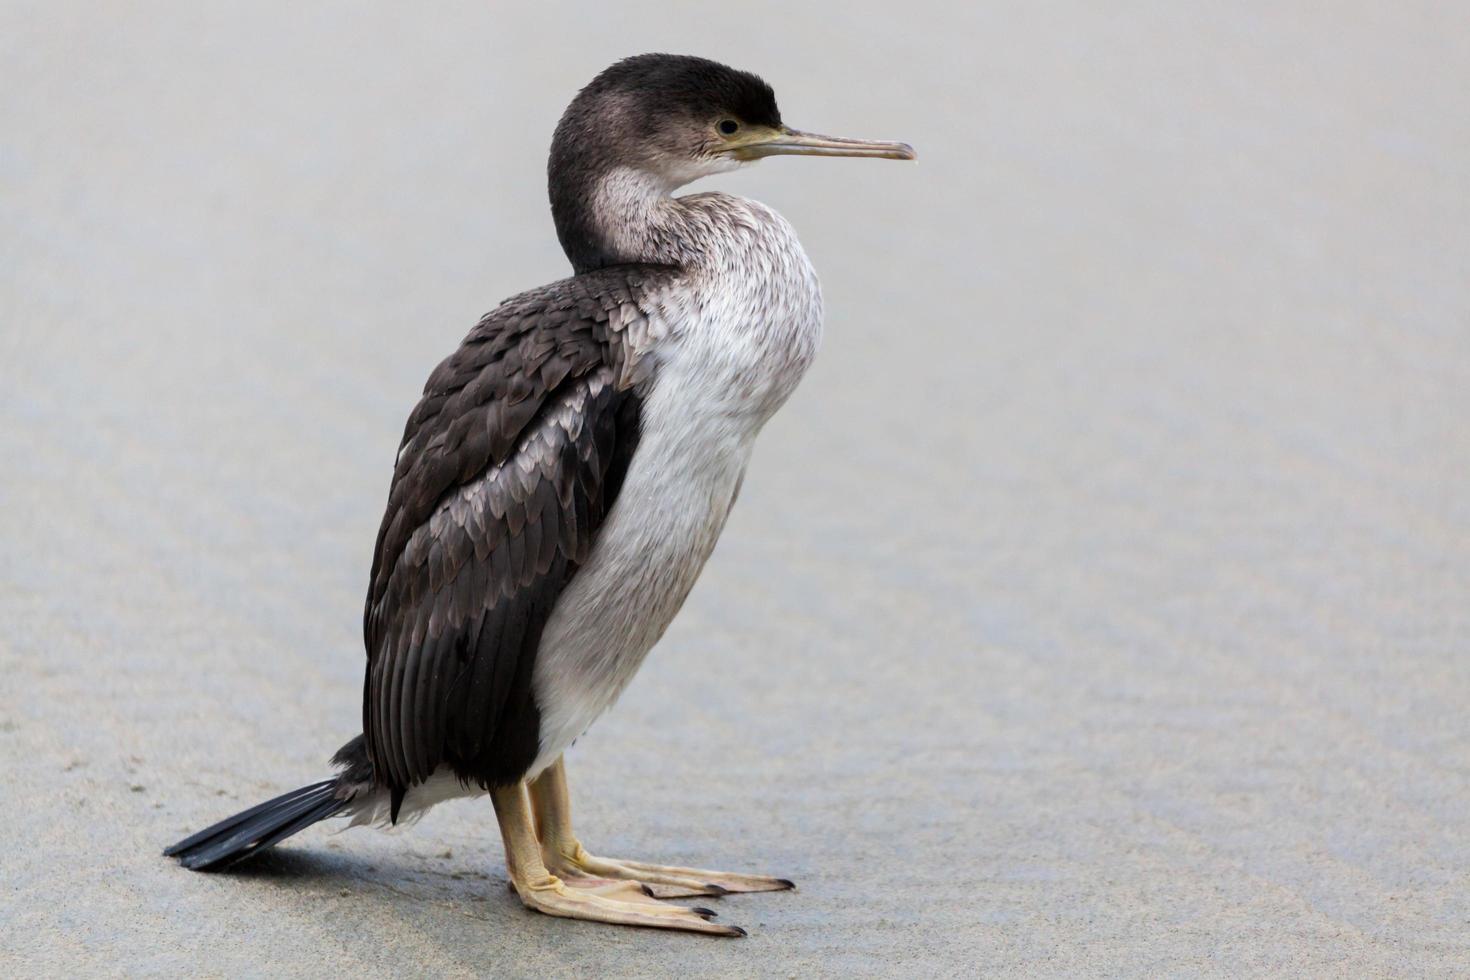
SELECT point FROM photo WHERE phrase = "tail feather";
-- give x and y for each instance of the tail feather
(257, 828)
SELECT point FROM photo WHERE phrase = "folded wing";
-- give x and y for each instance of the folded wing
(508, 467)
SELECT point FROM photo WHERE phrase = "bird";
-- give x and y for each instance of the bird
(562, 481)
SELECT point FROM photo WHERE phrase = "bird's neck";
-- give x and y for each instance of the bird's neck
(617, 216)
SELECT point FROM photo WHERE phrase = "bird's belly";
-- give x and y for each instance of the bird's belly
(668, 516)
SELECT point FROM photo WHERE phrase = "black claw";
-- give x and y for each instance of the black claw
(737, 931)
(707, 913)
(646, 890)
(786, 882)
(716, 891)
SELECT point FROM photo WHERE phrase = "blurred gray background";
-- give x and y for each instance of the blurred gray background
(1099, 606)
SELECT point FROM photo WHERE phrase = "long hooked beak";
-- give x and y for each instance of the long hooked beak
(776, 142)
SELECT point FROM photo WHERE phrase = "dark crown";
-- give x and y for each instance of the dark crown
(673, 83)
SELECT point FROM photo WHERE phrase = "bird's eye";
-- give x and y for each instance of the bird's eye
(729, 126)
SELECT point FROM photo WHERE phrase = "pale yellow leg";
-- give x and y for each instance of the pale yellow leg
(563, 853)
(544, 892)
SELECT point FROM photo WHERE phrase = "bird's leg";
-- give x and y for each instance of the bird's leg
(564, 854)
(539, 889)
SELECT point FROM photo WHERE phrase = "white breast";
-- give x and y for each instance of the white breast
(740, 332)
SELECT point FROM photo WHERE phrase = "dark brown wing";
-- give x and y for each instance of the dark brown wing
(507, 468)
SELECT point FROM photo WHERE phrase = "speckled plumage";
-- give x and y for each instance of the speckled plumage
(744, 322)
(568, 470)
(529, 558)
(506, 470)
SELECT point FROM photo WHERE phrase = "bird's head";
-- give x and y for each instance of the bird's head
(656, 122)
(677, 118)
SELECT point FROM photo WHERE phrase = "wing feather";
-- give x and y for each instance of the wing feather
(507, 467)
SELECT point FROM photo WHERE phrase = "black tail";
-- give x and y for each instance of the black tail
(259, 827)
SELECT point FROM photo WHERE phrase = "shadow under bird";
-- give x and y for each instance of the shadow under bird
(562, 482)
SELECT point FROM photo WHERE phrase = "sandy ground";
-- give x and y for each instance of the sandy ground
(1099, 606)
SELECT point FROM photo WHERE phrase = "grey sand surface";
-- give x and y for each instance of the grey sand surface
(1100, 606)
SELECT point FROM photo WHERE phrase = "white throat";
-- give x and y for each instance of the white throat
(637, 216)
